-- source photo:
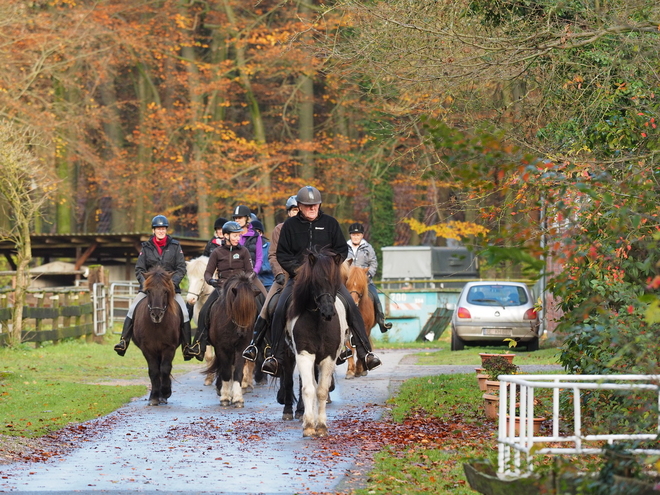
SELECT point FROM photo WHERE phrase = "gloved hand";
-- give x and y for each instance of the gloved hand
(279, 278)
(214, 282)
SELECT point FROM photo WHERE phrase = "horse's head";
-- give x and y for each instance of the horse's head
(317, 283)
(196, 285)
(357, 283)
(159, 289)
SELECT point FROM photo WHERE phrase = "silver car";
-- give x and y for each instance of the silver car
(488, 312)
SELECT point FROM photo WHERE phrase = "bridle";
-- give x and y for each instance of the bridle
(318, 297)
(359, 294)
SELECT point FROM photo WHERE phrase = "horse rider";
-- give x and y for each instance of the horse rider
(364, 256)
(249, 238)
(266, 272)
(161, 250)
(313, 228)
(226, 260)
(218, 238)
(261, 325)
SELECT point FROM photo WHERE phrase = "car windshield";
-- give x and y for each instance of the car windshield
(497, 295)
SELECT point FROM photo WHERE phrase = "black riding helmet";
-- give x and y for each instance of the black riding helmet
(230, 227)
(219, 223)
(356, 228)
(241, 211)
(159, 221)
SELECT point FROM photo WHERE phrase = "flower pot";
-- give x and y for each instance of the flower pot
(491, 405)
(537, 425)
(481, 379)
(485, 356)
(492, 386)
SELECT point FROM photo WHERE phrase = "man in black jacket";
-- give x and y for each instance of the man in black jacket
(312, 228)
(161, 250)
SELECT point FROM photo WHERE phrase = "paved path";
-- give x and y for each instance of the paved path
(193, 445)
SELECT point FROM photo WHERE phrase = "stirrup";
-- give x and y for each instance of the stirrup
(270, 366)
(193, 350)
(344, 355)
(121, 347)
(250, 353)
(371, 361)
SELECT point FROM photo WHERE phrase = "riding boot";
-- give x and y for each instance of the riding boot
(185, 346)
(362, 346)
(380, 319)
(191, 310)
(344, 355)
(126, 335)
(260, 326)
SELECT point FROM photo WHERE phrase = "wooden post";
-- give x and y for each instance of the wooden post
(55, 303)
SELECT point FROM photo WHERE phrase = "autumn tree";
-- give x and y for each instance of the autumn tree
(25, 186)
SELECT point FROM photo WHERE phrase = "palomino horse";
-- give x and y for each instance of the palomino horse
(232, 319)
(357, 284)
(316, 326)
(157, 332)
(198, 292)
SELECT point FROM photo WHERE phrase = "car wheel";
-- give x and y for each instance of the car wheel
(533, 345)
(456, 343)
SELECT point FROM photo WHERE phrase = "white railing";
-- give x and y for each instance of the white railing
(100, 310)
(516, 448)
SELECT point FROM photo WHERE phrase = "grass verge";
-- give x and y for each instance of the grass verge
(47, 388)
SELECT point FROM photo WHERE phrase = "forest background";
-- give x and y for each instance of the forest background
(526, 129)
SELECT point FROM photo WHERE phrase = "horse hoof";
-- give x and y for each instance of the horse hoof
(287, 416)
(350, 377)
(248, 389)
(309, 432)
(225, 403)
(239, 404)
(329, 400)
(364, 373)
(154, 402)
(322, 431)
(208, 381)
(162, 401)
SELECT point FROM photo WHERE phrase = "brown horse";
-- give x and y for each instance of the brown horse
(357, 284)
(157, 332)
(232, 319)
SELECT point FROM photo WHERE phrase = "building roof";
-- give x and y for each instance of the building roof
(96, 248)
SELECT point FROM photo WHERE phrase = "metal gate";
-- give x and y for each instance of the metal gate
(121, 296)
(100, 309)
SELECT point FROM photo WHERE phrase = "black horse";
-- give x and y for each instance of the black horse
(316, 328)
(157, 332)
(232, 318)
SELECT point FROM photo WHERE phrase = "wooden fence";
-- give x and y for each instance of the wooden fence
(50, 314)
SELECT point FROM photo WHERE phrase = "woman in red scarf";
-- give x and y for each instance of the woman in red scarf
(161, 250)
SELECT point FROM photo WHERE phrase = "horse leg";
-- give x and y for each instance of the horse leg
(208, 356)
(154, 377)
(326, 369)
(247, 384)
(237, 390)
(300, 408)
(305, 362)
(285, 393)
(350, 371)
(166, 375)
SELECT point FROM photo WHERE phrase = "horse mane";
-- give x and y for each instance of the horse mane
(238, 299)
(319, 273)
(159, 278)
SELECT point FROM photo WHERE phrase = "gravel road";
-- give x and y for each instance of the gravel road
(194, 445)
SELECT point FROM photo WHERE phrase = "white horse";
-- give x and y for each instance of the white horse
(198, 292)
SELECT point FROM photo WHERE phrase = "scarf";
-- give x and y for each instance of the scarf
(160, 244)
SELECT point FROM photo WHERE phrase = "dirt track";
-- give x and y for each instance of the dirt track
(193, 445)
